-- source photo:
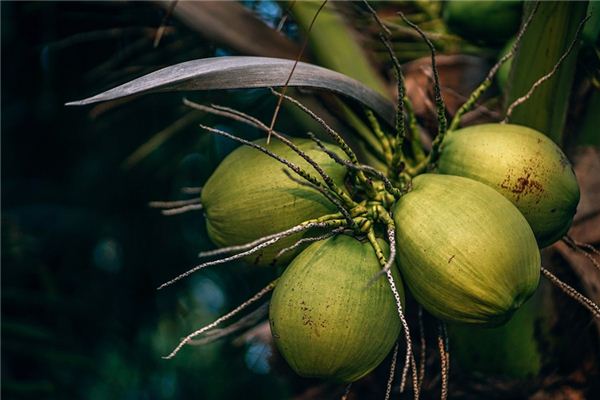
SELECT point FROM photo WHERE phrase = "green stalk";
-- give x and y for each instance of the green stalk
(362, 130)
(588, 130)
(334, 44)
(383, 139)
(509, 350)
(547, 38)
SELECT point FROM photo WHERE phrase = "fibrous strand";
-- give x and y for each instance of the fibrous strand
(444, 359)
(579, 248)
(192, 189)
(282, 160)
(409, 361)
(232, 249)
(255, 122)
(466, 107)
(242, 117)
(173, 204)
(285, 86)
(262, 245)
(583, 245)
(325, 192)
(309, 240)
(549, 75)
(423, 355)
(334, 135)
(224, 318)
(177, 206)
(439, 102)
(390, 381)
(244, 322)
(574, 294)
(182, 209)
(359, 167)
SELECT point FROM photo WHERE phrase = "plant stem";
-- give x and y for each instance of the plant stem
(543, 44)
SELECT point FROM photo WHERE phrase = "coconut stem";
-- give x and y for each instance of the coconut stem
(415, 134)
(386, 146)
(274, 239)
(377, 19)
(574, 294)
(390, 381)
(397, 193)
(547, 76)
(336, 136)
(487, 82)
(225, 317)
(255, 122)
(415, 379)
(282, 160)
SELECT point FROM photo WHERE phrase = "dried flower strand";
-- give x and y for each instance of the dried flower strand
(574, 294)
(224, 318)
(253, 250)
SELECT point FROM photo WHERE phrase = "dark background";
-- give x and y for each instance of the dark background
(82, 253)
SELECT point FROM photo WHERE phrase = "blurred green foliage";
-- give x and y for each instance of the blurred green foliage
(82, 253)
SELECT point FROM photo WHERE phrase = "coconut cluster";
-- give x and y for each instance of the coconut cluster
(464, 238)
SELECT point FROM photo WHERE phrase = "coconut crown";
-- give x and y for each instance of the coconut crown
(465, 252)
(328, 321)
(250, 196)
(523, 165)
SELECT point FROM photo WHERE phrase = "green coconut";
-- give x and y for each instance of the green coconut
(326, 320)
(523, 165)
(491, 21)
(250, 196)
(465, 252)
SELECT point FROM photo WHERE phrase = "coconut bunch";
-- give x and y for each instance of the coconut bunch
(459, 229)
(464, 239)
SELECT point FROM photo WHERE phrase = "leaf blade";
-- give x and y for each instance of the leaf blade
(241, 72)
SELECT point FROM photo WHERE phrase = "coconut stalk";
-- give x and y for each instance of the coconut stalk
(548, 37)
(509, 350)
(588, 131)
(335, 44)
